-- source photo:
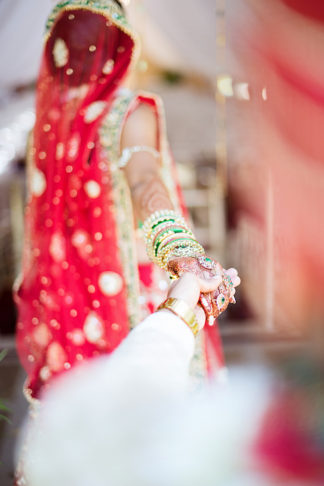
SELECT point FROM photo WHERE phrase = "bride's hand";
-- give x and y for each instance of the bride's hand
(215, 302)
(189, 287)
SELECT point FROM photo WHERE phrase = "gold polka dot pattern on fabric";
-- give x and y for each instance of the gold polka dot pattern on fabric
(94, 110)
(60, 53)
(93, 328)
(38, 182)
(42, 335)
(55, 357)
(98, 236)
(79, 238)
(91, 289)
(57, 247)
(55, 324)
(110, 283)
(45, 373)
(59, 151)
(92, 189)
(77, 337)
(108, 66)
(97, 212)
(73, 146)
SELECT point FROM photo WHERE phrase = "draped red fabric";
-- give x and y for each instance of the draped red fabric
(312, 9)
(72, 296)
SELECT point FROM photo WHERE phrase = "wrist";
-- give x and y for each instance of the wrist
(187, 289)
(183, 310)
(166, 233)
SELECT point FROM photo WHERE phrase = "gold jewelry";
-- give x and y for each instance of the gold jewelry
(174, 241)
(168, 238)
(161, 228)
(165, 231)
(159, 217)
(129, 151)
(182, 310)
(160, 233)
(183, 252)
(162, 260)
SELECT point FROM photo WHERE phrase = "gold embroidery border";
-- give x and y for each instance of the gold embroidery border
(28, 394)
(108, 9)
(122, 203)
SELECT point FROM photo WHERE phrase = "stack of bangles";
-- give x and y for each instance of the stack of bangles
(172, 246)
(167, 235)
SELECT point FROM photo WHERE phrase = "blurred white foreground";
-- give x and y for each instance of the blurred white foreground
(132, 419)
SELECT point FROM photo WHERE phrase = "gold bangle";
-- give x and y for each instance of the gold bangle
(128, 152)
(182, 309)
(163, 234)
(162, 259)
(160, 217)
(167, 239)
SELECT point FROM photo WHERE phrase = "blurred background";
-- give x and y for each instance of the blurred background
(243, 91)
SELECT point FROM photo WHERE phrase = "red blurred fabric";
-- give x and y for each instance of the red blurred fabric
(57, 292)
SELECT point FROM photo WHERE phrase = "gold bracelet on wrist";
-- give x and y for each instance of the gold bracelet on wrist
(170, 238)
(165, 232)
(184, 252)
(159, 217)
(163, 259)
(183, 310)
(174, 243)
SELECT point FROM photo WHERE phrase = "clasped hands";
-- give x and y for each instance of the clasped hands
(203, 282)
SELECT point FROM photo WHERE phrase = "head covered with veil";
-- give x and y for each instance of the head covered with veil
(89, 48)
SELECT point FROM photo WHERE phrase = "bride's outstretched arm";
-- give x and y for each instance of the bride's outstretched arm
(143, 168)
(170, 242)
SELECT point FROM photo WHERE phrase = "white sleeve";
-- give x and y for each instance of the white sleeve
(161, 347)
(98, 419)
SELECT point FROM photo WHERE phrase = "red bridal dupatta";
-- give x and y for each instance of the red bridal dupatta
(79, 289)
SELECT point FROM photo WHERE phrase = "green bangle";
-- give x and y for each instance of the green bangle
(159, 241)
(162, 221)
(187, 238)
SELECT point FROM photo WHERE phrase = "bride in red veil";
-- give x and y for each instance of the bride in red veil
(78, 295)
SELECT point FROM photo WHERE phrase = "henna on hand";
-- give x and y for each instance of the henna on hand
(213, 303)
(150, 195)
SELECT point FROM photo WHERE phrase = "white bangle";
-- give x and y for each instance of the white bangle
(129, 151)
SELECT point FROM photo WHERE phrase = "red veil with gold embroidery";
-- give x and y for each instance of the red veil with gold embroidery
(77, 296)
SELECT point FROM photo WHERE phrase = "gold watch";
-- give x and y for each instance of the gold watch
(182, 310)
